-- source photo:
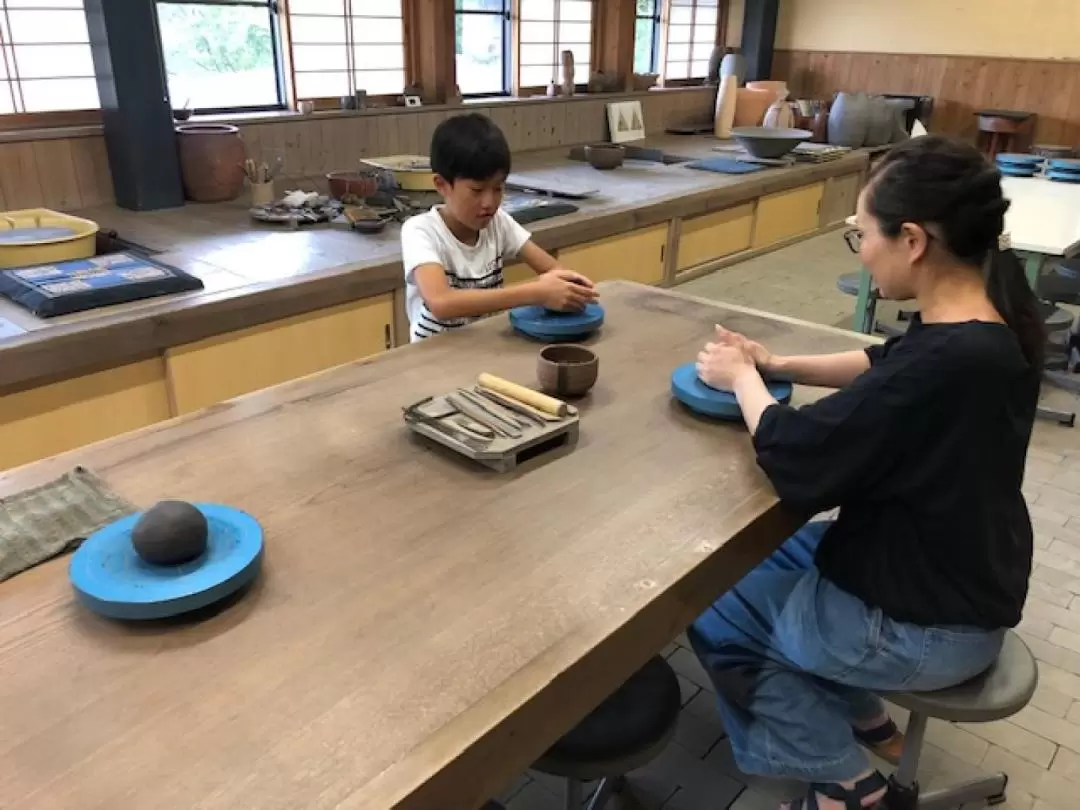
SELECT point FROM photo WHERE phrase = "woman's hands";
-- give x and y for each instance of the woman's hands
(722, 362)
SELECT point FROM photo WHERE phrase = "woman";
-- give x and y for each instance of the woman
(923, 450)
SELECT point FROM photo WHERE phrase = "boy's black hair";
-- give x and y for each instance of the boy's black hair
(469, 147)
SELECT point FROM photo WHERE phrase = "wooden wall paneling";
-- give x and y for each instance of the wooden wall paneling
(595, 126)
(56, 173)
(91, 163)
(409, 135)
(614, 23)
(572, 129)
(19, 176)
(960, 85)
(541, 124)
(557, 120)
(425, 124)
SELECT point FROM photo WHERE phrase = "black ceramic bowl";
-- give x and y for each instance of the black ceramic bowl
(766, 142)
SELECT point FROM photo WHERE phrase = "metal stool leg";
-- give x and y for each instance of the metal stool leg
(604, 791)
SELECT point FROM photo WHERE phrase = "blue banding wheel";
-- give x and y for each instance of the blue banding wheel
(111, 579)
(1065, 165)
(688, 388)
(539, 321)
(1019, 158)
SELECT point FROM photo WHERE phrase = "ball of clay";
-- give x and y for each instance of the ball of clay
(170, 533)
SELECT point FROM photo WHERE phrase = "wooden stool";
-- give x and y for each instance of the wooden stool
(997, 128)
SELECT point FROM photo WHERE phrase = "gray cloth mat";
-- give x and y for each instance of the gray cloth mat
(54, 518)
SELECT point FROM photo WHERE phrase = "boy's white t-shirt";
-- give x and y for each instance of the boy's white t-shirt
(426, 239)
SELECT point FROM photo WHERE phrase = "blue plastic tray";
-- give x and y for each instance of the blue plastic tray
(1064, 177)
(721, 165)
(543, 323)
(111, 579)
(688, 388)
(1017, 170)
(1019, 158)
(1064, 165)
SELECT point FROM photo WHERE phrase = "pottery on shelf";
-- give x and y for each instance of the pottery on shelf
(881, 121)
(726, 102)
(712, 74)
(567, 370)
(780, 114)
(605, 156)
(774, 87)
(733, 64)
(643, 81)
(769, 142)
(751, 105)
(899, 109)
(849, 120)
(568, 73)
(211, 161)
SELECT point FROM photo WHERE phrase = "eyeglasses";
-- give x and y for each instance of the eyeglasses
(854, 239)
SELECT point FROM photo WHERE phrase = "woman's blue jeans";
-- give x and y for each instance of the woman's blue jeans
(796, 662)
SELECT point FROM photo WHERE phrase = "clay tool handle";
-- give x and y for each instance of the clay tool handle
(542, 402)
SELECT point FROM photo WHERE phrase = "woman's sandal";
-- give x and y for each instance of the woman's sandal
(852, 799)
(886, 741)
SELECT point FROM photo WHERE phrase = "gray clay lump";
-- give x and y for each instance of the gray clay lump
(170, 533)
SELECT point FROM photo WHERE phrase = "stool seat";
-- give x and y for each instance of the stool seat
(637, 718)
(1000, 692)
(848, 283)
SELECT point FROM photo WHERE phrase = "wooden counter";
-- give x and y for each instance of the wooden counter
(279, 304)
(422, 630)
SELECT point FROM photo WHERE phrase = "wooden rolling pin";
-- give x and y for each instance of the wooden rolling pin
(542, 402)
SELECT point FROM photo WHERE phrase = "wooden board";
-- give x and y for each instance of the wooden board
(421, 632)
(61, 416)
(223, 367)
(636, 256)
(787, 214)
(714, 235)
(838, 199)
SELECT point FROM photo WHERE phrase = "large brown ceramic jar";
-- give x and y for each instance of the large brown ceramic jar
(211, 161)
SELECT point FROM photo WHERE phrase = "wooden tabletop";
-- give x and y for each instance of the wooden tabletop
(422, 630)
(256, 273)
(1044, 216)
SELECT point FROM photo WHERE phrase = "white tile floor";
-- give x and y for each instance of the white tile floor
(1039, 748)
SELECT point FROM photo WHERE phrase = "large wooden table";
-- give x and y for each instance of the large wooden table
(422, 630)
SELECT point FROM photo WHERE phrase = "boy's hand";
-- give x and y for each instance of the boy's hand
(563, 290)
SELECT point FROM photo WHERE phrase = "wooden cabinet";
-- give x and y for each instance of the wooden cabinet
(715, 235)
(787, 214)
(839, 198)
(41, 422)
(635, 256)
(226, 366)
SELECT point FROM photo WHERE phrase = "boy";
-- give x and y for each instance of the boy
(454, 254)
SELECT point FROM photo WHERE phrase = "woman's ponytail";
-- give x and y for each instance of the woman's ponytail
(1013, 298)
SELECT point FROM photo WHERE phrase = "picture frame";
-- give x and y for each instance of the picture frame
(413, 101)
(626, 121)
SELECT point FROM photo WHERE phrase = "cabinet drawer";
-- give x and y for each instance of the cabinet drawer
(787, 214)
(635, 256)
(715, 235)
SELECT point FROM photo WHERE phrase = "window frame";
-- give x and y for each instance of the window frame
(525, 91)
(656, 18)
(334, 102)
(274, 12)
(507, 50)
(718, 34)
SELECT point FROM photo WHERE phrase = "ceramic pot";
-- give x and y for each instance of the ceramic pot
(567, 370)
(779, 115)
(881, 122)
(849, 120)
(899, 108)
(726, 101)
(568, 73)
(750, 106)
(733, 64)
(211, 161)
(605, 156)
(776, 88)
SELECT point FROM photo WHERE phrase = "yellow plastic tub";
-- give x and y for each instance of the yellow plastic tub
(40, 236)
(412, 172)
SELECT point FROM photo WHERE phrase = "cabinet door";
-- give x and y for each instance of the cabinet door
(44, 421)
(226, 366)
(787, 214)
(715, 235)
(635, 256)
(838, 199)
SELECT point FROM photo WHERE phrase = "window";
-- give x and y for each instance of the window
(646, 36)
(481, 34)
(221, 55)
(691, 35)
(546, 29)
(46, 64)
(341, 46)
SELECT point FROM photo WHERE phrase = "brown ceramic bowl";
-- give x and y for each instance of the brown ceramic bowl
(352, 183)
(567, 370)
(605, 156)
